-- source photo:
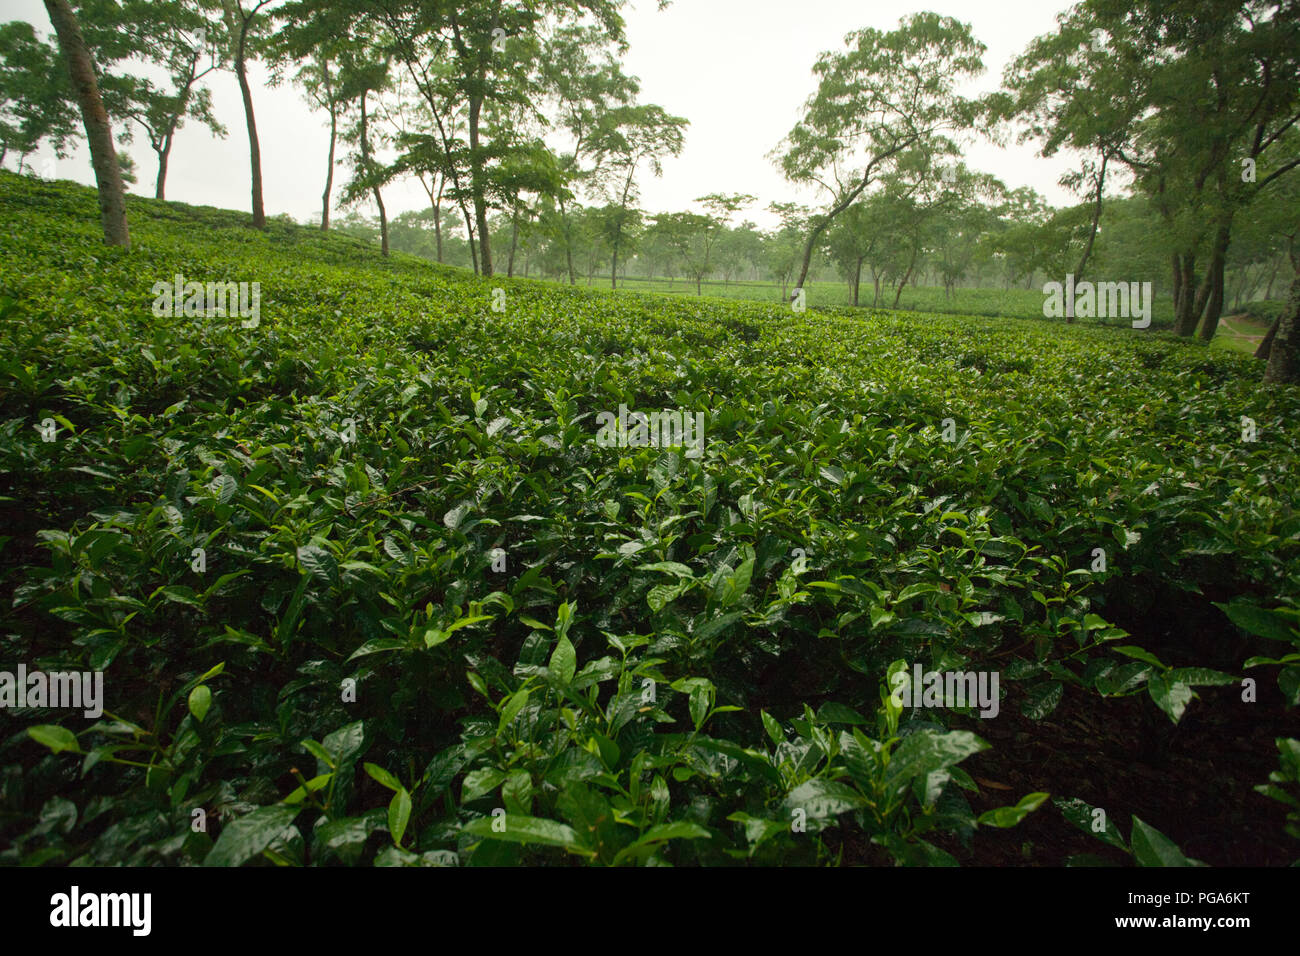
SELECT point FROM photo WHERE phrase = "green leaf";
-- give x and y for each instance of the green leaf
(453, 518)
(880, 616)
(1171, 696)
(662, 833)
(772, 727)
(563, 619)
(1288, 681)
(757, 829)
(668, 567)
(346, 743)
(564, 662)
(179, 594)
(1200, 677)
(379, 645)
(1153, 848)
(1129, 650)
(320, 753)
(1010, 816)
(1260, 622)
(212, 672)
(512, 708)
(382, 776)
(918, 852)
(1042, 699)
(521, 829)
(700, 699)
(479, 782)
(820, 798)
(1083, 816)
(284, 629)
(433, 636)
(312, 785)
(733, 587)
(319, 563)
(199, 701)
(834, 713)
(224, 488)
(925, 752)
(460, 622)
(661, 595)
(245, 838)
(399, 814)
(57, 738)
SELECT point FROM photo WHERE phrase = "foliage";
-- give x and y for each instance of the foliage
(653, 675)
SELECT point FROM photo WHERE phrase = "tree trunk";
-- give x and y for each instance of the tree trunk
(1218, 261)
(1185, 313)
(469, 233)
(254, 150)
(857, 281)
(514, 241)
(1266, 343)
(437, 228)
(907, 275)
(365, 165)
(1268, 290)
(160, 187)
(99, 132)
(329, 173)
(568, 242)
(477, 187)
(844, 204)
(1177, 268)
(1284, 357)
(1096, 219)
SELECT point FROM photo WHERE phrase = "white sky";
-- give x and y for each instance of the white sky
(739, 70)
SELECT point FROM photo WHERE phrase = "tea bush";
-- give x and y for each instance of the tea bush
(365, 589)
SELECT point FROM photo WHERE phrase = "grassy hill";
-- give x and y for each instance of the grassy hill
(361, 577)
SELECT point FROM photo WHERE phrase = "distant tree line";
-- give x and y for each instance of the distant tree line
(528, 138)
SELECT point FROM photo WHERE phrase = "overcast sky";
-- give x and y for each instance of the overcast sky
(739, 70)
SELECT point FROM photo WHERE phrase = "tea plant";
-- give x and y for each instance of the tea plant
(383, 513)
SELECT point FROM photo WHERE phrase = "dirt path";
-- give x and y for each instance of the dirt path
(1225, 325)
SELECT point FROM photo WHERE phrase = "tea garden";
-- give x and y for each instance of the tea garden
(364, 588)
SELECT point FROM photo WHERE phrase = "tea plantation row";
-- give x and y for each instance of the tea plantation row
(364, 587)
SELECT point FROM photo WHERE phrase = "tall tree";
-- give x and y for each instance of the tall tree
(241, 32)
(310, 40)
(486, 57)
(99, 131)
(179, 37)
(628, 137)
(887, 93)
(693, 235)
(37, 104)
(361, 78)
(583, 77)
(1184, 93)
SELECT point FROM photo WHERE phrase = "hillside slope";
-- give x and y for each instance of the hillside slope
(379, 521)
